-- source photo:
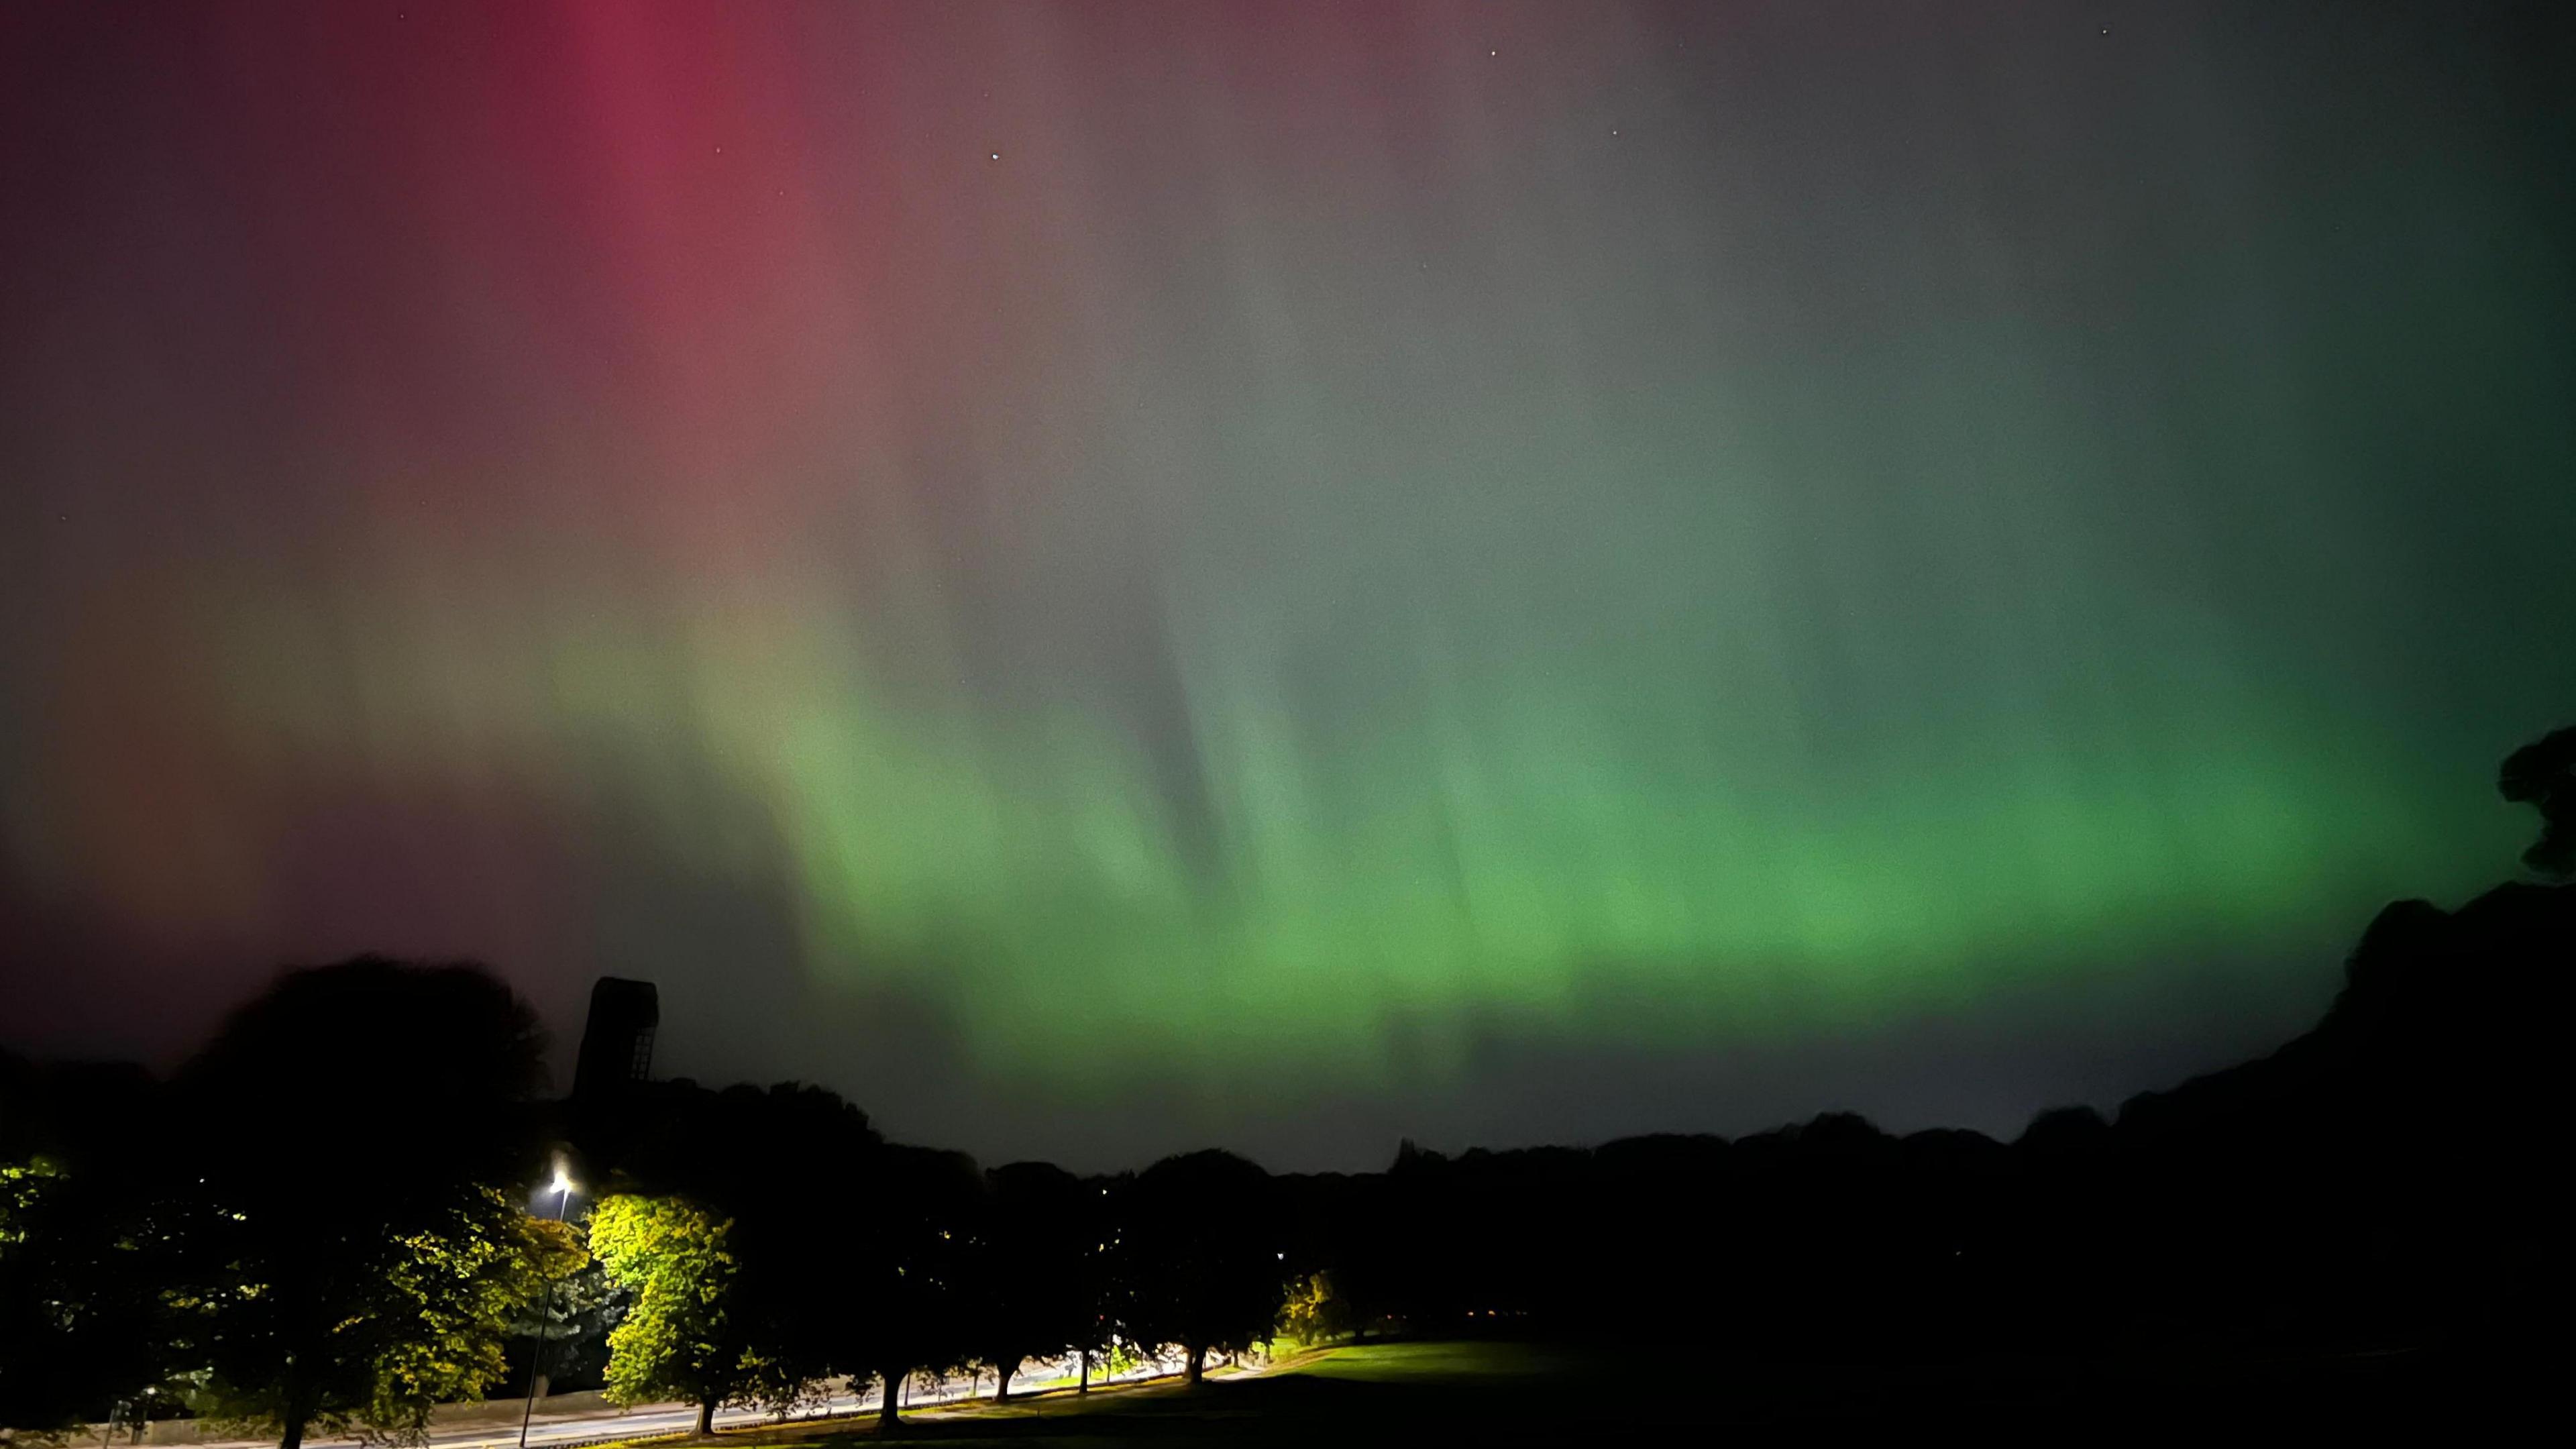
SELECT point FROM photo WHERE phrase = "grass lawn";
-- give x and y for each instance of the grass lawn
(1398, 1388)
(1433, 1362)
(1501, 1393)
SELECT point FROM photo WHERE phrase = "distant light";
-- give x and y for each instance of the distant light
(563, 1180)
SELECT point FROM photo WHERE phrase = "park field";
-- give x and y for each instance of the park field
(1508, 1393)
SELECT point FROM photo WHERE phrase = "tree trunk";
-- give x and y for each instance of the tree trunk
(1082, 1385)
(1197, 1366)
(291, 1434)
(706, 1417)
(890, 1408)
(1003, 1368)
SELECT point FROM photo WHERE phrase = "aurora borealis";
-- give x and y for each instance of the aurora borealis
(1103, 577)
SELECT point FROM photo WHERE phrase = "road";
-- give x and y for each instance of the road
(646, 1420)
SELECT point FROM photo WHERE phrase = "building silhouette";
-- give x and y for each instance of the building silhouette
(617, 1040)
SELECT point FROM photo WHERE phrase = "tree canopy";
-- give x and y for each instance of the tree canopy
(1197, 1238)
(681, 1337)
(2542, 774)
(1036, 1269)
(349, 1253)
(909, 1268)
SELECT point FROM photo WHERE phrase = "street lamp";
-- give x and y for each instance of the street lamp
(562, 1189)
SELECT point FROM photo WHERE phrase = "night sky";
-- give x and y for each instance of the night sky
(1109, 578)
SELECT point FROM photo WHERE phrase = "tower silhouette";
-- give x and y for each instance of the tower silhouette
(617, 1040)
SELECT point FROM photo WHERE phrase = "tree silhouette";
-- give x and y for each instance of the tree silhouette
(1197, 1235)
(82, 1251)
(2542, 774)
(350, 1254)
(910, 1301)
(1035, 1250)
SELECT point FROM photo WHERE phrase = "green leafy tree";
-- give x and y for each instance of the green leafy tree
(761, 1327)
(679, 1338)
(567, 1329)
(784, 1336)
(399, 1326)
(347, 1252)
(1313, 1312)
(454, 1298)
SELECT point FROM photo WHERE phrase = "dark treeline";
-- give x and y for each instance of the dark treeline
(337, 1214)
(2379, 1179)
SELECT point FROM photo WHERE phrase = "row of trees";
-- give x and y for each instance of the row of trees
(323, 1224)
(769, 1240)
(271, 1238)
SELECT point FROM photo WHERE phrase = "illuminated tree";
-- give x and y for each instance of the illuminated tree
(680, 1338)
(565, 1332)
(789, 1334)
(1311, 1313)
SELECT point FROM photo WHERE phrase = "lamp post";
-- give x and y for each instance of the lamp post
(536, 1356)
